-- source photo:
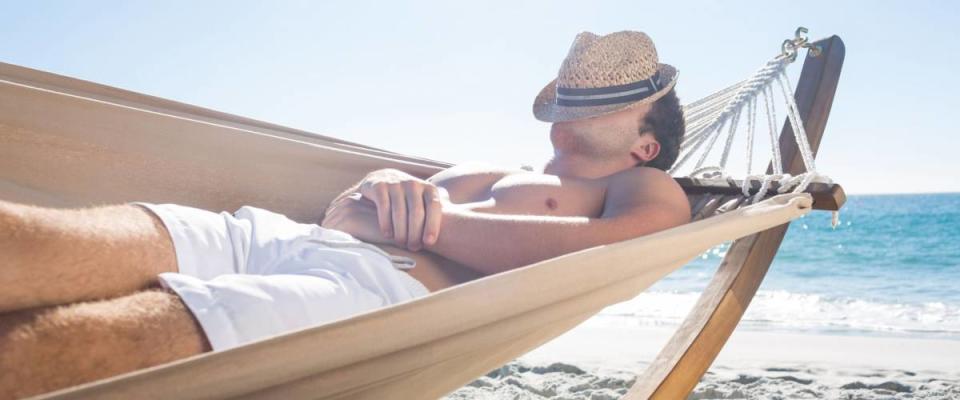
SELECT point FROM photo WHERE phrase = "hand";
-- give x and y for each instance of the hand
(409, 209)
(357, 216)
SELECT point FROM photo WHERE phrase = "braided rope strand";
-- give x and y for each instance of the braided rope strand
(720, 114)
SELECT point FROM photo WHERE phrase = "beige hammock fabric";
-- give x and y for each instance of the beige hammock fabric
(65, 142)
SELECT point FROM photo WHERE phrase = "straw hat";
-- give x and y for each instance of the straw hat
(605, 74)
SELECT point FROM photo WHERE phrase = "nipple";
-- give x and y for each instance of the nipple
(551, 203)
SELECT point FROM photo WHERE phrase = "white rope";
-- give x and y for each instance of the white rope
(741, 93)
(751, 121)
(713, 96)
(720, 113)
(713, 139)
(774, 138)
(796, 123)
(687, 154)
(730, 135)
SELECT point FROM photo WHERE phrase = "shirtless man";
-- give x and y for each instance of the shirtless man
(80, 291)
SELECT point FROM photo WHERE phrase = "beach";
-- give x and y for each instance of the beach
(286, 105)
(868, 309)
(598, 361)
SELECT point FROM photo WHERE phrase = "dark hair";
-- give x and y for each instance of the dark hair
(665, 119)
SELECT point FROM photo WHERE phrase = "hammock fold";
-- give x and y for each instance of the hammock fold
(66, 142)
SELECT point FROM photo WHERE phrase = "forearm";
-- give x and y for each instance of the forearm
(491, 243)
(357, 188)
(353, 189)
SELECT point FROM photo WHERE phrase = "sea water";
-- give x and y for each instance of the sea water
(891, 267)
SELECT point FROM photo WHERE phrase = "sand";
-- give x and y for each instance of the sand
(601, 362)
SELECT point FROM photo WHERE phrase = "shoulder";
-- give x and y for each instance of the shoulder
(650, 189)
(644, 180)
(467, 181)
(472, 168)
(641, 173)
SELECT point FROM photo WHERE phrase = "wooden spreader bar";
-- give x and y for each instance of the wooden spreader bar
(826, 196)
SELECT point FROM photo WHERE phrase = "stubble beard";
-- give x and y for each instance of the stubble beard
(593, 144)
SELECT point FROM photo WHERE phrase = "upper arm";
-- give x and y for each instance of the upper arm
(645, 200)
(636, 203)
(465, 182)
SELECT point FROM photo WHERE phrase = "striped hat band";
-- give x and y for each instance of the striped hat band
(576, 97)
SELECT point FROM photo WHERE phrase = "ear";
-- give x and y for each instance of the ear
(645, 148)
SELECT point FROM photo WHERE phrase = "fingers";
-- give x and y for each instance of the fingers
(431, 224)
(380, 195)
(415, 216)
(384, 218)
(408, 211)
(398, 212)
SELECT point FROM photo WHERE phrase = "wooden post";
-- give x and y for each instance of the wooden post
(698, 340)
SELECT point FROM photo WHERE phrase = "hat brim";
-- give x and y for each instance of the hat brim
(546, 109)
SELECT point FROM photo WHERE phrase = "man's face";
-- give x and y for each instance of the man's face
(607, 137)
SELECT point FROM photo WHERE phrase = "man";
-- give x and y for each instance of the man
(228, 279)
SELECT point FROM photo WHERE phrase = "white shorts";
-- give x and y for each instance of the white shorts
(254, 273)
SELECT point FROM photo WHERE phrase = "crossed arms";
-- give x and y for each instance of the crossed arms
(391, 207)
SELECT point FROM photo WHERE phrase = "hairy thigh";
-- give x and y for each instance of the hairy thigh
(52, 348)
(59, 256)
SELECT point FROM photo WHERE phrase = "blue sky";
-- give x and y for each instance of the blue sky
(455, 81)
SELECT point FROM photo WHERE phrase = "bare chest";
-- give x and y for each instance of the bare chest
(529, 193)
(523, 193)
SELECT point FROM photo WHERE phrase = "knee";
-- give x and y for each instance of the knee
(20, 233)
(11, 221)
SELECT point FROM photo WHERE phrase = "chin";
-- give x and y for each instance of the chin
(566, 139)
(556, 134)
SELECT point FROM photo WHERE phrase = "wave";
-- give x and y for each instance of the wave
(783, 310)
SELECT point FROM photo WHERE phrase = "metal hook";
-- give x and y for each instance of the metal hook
(791, 47)
(800, 35)
(788, 50)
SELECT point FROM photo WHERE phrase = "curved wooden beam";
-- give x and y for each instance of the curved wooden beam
(698, 340)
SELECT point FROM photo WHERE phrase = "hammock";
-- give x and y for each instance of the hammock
(66, 142)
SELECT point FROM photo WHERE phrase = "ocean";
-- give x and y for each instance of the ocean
(891, 268)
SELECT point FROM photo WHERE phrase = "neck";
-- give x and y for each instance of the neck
(582, 167)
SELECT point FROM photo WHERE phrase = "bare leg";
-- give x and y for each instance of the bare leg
(51, 348)
(58, 256)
